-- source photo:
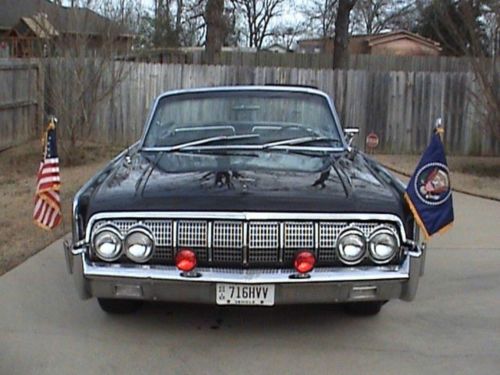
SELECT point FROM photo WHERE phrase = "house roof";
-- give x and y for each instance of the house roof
(64, 19)
(377, 39)
(277, 46)
(40, 25)
(374, 39)
(312, 40)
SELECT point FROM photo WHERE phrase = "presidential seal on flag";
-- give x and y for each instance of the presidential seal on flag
(432, 183)
(429, 191)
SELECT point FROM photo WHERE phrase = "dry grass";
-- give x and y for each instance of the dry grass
(475, 175)
(19, 237)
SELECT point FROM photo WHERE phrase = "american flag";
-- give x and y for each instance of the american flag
(47, 213)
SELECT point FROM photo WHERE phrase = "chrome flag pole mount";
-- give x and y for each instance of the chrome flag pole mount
(47, 211)
(428, 193)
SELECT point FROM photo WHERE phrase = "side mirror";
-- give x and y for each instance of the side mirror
(349, 134)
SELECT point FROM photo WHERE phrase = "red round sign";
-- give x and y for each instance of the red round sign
(372, 140)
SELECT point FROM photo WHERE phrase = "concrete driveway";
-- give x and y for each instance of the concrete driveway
(453, 326)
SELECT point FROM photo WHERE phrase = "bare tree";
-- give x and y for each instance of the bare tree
(287, 35)
(320, 17)
(341, 40)
(128, 13)
(194, 23)
(257, 15)
(374, 16)
(167, 23)
(459, 26)
(81, 72)
(215, 28)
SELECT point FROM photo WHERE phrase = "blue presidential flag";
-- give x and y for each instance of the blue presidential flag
(429, 191)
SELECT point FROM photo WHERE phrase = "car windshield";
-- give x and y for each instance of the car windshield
(242, 118)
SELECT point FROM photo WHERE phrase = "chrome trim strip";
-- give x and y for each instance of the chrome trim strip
(249, 276)
(245, 216)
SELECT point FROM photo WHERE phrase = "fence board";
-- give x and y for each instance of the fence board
(399, 106)
(375, 63)
(20, 105)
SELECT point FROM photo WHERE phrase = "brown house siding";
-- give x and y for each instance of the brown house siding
(400, 43)
(403, 47)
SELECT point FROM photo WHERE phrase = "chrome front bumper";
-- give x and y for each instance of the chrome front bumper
(166, 283)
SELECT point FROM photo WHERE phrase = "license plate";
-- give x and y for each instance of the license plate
(241, 294)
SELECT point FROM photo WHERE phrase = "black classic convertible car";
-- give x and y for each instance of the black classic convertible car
(245, 195)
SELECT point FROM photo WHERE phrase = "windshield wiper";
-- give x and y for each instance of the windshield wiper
(297, 142)
(200, 142)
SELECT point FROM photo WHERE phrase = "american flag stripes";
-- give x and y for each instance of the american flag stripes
(47, 212)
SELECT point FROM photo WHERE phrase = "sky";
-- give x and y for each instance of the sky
(289, 15)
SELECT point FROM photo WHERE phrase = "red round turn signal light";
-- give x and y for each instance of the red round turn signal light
(185, 260)
(304, 261)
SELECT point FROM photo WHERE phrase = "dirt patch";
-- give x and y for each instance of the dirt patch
(474, 175)
(20, 238)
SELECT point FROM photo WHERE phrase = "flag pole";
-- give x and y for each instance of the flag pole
(439, 128)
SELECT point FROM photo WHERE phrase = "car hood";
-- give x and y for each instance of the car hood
(330, 184)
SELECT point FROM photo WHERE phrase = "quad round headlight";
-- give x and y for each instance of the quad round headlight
(351, 246)
(107, 243)
(139, 245)
(383, 246)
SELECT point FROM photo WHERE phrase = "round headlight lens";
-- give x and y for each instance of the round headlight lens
(139, 245)
(383, 246)
(351, 246)
(107, 244)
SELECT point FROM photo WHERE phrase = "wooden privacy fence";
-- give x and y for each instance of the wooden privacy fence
(400, 107)
(21, 101)
(310, 60)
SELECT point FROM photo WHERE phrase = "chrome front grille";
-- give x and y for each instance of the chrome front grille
(227, 241)
(263, 235)
(255, 242)
(162, 230)
(263, 242)
(328, 234)
(297, 236)
(227, 234)
(192, 233)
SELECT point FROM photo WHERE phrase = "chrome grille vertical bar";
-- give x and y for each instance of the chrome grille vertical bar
(281, 249)
(316, 239)
(245, 242)
(174, 236)
(210, 240)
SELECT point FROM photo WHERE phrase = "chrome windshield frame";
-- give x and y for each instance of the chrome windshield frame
(221, 89)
